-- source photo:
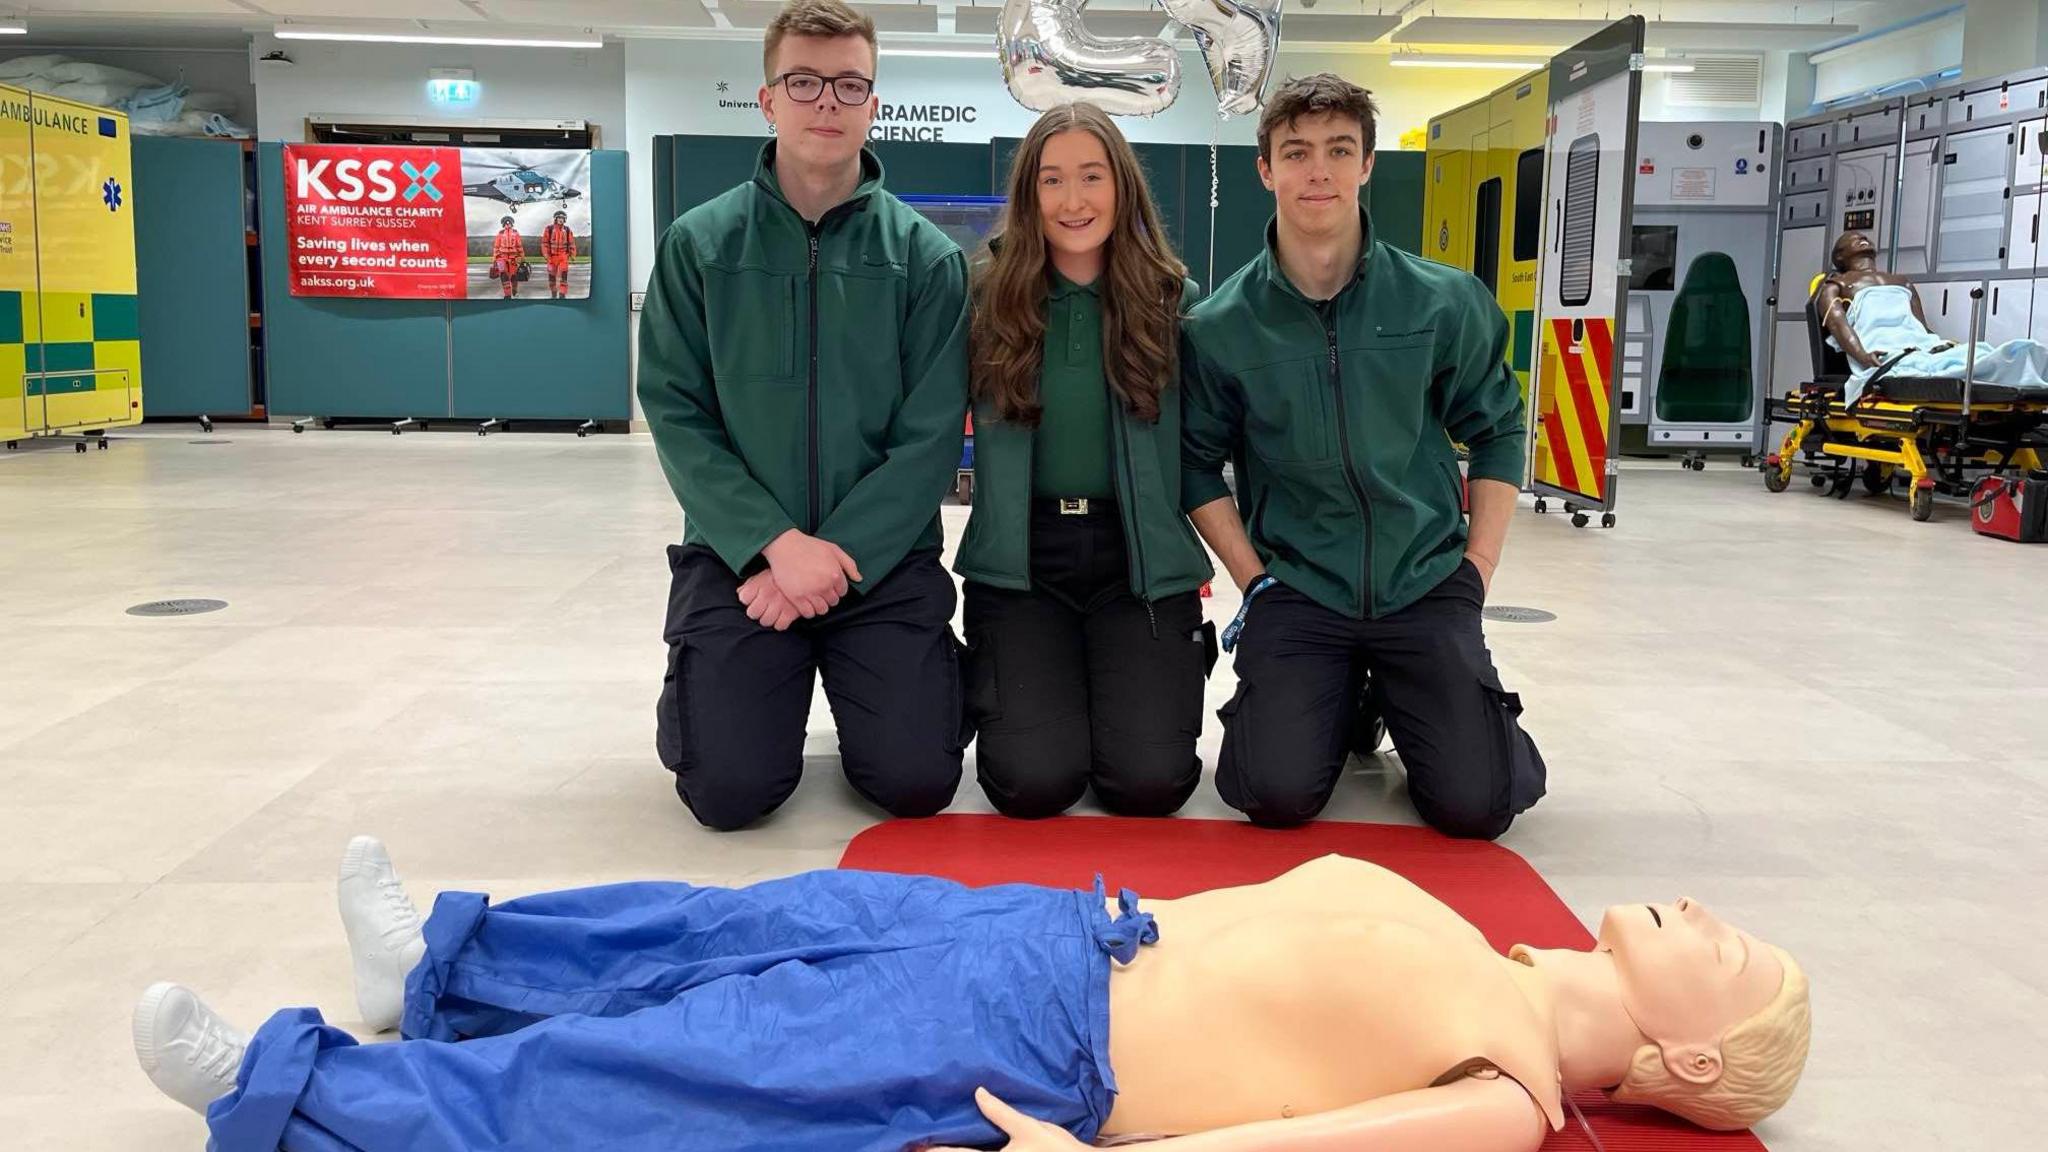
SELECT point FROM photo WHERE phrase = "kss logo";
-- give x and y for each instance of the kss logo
(1443, 236)
(422, 182)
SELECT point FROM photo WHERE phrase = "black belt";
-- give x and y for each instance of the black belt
(1080, 506)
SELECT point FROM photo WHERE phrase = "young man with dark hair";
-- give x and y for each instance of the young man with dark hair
(1338, 372)
(803, 368)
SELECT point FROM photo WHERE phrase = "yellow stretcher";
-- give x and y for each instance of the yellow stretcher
(1939, 434)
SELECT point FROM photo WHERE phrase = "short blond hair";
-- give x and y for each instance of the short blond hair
(825, 19)
(1761, 1061)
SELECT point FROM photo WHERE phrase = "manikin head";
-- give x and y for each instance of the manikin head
(1850, 246)
(819, 60)
(1316, 141)
(1726, 1014)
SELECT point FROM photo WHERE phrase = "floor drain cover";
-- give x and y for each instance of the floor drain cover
(177, 607)
(1510, 615)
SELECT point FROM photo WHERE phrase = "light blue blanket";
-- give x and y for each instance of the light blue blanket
(1882, 316)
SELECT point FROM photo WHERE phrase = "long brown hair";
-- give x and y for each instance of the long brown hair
(1140, 286)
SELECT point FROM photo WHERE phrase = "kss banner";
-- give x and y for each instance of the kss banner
(437, 223)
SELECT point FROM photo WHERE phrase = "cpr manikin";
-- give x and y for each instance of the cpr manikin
(1334, 1007)
(1874, 318)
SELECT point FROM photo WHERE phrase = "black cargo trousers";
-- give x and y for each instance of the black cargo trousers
(1300, 669)
(735, 695)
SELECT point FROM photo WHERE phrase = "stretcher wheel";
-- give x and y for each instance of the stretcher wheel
(1877, 479)
(1820, 481)
(1840, 488)
(1777, 479)
(1580, 519)
(1607, 520)
(1922, 504)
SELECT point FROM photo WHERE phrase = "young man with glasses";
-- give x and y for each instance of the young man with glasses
(803, 368)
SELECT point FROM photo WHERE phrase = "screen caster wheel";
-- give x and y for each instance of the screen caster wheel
(1580, 519)
(1542, 506)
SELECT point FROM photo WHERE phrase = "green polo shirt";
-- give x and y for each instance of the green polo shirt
(1070, 455)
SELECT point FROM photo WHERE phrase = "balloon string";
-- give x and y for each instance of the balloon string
(1215, 128)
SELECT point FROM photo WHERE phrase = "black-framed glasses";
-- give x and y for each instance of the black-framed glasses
(806, 87)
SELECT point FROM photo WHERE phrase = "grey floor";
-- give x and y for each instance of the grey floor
(1819, 717)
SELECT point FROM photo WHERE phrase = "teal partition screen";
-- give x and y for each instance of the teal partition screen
(694, 169)
(191, 253)
(523, 359)
(536, 360)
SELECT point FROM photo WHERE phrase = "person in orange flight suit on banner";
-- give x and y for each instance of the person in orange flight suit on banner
(558, 246)
(506, 256)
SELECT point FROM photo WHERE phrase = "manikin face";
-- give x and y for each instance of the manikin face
(1687, 978)
(823, 133)
(1850, 245)
(1316, 167)
(1076, 193)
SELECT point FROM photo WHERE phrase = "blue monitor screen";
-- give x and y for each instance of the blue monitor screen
(967, 219)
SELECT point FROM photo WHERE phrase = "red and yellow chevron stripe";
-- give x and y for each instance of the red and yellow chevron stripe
(1573, 382)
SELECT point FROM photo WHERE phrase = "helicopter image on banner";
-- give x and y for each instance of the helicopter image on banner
(518, 186)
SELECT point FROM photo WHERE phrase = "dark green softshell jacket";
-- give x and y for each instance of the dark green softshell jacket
(1341, 416)
(807, 376)
(1165, 557)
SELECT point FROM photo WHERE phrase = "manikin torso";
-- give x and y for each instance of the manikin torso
(1335, 984)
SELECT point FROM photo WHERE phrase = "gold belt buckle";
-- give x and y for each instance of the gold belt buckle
(1073, 507)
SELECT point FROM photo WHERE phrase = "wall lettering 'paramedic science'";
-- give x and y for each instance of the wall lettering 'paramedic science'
(437, 223)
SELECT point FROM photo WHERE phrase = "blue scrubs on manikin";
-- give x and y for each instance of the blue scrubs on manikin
(838, 1011)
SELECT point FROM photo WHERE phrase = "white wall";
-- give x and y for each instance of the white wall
(204, 69)
(390, 80)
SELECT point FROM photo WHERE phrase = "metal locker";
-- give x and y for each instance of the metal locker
(2026, 153)
(1791, 357)
(2008, 310)
(1806, 208)
(2023, 235)
(1947, 307)
(1878, 127)
(1917, 204)
(1924, 114)
(1802, 255)
(2038, 330)
(1809, 139)
(1996, 100)
(1801, 175)
(1974, 180)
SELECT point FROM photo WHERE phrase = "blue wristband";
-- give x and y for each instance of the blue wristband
(1232, 630)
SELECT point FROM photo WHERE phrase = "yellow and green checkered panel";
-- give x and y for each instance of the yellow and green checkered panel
(71, 353)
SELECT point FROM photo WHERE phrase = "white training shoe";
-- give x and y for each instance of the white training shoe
(185, 1047)
(384, 934)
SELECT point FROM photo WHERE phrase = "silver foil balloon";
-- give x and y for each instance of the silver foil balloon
(1050, 59)
(1240, 40)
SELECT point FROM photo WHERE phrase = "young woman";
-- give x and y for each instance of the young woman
(1087, 649)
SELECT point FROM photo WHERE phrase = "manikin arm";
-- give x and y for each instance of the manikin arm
(1834, 317)
(1476, 1114)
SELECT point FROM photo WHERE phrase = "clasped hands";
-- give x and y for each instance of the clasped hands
(805, 578)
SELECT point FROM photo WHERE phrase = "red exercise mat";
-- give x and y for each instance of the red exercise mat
(1487, 884)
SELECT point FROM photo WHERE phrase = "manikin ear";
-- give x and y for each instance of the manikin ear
(1694, 1063)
